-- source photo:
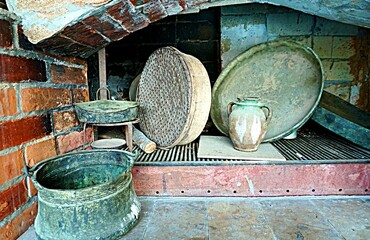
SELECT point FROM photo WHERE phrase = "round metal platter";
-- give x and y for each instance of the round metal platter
(285, 75)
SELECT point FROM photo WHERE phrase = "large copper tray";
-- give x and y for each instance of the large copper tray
(285, 75)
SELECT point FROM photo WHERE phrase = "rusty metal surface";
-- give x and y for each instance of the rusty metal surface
(344, 119)
(253, 180)
(285, 75)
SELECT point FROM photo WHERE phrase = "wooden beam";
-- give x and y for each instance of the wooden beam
(102, 73)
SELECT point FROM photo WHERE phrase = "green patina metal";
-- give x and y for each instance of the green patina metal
(86, 195)
(106, 111)
(285, 75)
(343, 119)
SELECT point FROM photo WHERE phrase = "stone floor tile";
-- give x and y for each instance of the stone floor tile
(30, 234)
(297, 219)
(178, 219)
(318, 218)
(340, 213)
(237, 220)
(137, 233)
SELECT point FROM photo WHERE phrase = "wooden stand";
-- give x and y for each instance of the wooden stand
(127, 126)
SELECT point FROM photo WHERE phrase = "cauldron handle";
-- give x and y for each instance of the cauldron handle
(30, 170)
(101, 88)
(131, 156)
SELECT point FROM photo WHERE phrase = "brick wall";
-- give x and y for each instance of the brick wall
(343, 49)
(37, 119)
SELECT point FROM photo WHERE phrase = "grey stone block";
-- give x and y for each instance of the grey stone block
(326, 27)
(238, 33)
(289, 24)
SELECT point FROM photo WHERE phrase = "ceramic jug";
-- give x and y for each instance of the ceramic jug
(248, 121)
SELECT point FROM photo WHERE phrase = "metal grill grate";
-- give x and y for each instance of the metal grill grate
(308, 147)
(311, 146)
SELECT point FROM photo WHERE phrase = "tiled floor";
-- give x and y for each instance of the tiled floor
(317, 218)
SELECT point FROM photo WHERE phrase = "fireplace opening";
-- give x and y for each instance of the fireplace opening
(46, 67)
(216, 36)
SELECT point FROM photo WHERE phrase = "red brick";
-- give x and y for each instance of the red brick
(19, 69)
(16, 132)
(11, 165)
(61, 45)
(73, 140)
(44, 98)
(80, 95)
(12, 199)
(23, 41)
(130, 18)
(107, 26)
(155, 11)
(6, 34)
(63, 74)
(8, 102)
(17, 226)
(40, 151)
(84, 34)
(65, 120)
(71, 60)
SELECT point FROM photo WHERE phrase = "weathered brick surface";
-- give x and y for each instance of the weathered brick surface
(304, 40)
(325, 27)
(6, 34)
(84, 34)
(107, 26)
(289, 24)
(155, 11)
(340, 46)
(65, 120)
(23, 41)
(80, 95)
(131, 19)
(73, 140)
(197, 31)
(343, 47)
(208, 50)
(252, 8)
(61, 45)
(44, 98)
(16, 132)
(8, 102)
(173, 7)
(341, 90)
(11, 165)
(13, 229)
(323, 46)
(12, 199)
(360, 68)
(240, 33)
(18, 69)
(63, 74)
(40, 151)
(337, 70)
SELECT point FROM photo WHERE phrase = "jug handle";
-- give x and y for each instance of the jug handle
(269, 115)
(229, 107)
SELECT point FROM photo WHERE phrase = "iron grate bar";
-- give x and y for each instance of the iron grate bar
(308, 146)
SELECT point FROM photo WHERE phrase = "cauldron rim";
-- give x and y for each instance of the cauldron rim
(123, 178)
